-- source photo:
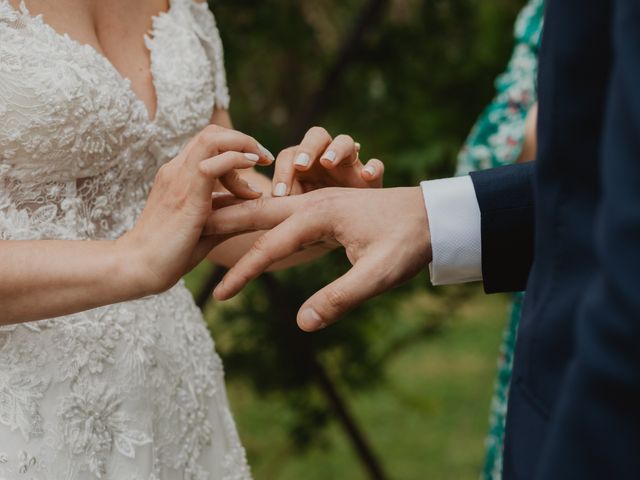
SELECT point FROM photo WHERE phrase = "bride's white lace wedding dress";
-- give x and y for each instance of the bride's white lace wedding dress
(132, 391)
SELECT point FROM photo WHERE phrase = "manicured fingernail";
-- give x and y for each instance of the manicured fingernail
(370, 170)
(303, 160)
(253, 188)
(266, 152)
(330, 155)
(281, 190)
(310, 320)
(358, 146)
(252, 157)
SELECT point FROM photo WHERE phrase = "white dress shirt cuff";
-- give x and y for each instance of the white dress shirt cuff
(454, 224)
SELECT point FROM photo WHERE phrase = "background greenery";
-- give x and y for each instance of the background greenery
(409, 374)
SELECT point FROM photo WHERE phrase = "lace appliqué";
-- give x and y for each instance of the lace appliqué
(133, 390)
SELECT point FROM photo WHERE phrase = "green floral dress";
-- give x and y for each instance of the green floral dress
(496, 140)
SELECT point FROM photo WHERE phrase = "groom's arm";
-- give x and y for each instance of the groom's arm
(596, 425)
(386, 234)
(482, 227)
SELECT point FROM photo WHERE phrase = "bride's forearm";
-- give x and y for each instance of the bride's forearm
(45, 279)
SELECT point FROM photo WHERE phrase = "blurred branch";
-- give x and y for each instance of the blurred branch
(368, 18)
(302, 349)
(453, 302)
(414, 336)
(301, 346)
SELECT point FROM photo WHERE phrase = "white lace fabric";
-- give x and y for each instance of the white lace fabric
(133, 391)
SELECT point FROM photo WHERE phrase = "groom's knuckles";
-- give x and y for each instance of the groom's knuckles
(347, 292)
(252, 264)
(234, 219)
(277, 244)
(261, 254)
(335, 301)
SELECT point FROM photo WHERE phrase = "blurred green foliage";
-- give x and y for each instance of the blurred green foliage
(410, 95)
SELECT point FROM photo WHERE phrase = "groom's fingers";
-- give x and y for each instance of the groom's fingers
(289, 237)
(260, 214)
(338, 298)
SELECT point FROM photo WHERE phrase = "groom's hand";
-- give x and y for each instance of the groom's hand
(385, 234)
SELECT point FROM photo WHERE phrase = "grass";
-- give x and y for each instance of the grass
(427, 422)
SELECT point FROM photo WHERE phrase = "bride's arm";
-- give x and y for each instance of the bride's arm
(49, 278)
(44, 279)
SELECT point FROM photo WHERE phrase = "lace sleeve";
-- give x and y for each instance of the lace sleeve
(207, 30)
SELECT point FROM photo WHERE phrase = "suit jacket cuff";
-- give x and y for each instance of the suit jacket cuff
(505, 197)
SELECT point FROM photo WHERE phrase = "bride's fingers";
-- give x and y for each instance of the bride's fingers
(373, 173)
(313, 145)
(284, 172)
(283, 241)
(341, 151)
(214, 140)
(202, 182)
(238, 186)
(216, 167)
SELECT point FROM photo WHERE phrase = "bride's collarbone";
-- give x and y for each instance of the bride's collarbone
(115, 29)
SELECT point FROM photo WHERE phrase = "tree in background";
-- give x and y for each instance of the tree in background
(406, 78)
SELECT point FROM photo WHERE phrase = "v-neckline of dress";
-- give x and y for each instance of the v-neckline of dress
(124, 81)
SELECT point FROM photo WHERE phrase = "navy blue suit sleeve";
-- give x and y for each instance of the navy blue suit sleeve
(505, 197)
(596, 425)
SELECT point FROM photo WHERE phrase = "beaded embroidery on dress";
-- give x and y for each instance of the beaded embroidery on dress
(132, 391)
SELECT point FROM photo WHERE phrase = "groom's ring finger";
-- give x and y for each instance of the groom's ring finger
(342, 151)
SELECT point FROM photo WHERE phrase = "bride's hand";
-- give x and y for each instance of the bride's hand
(167, 240)
(320, 161)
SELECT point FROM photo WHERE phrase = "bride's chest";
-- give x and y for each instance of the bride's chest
(65, 111)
